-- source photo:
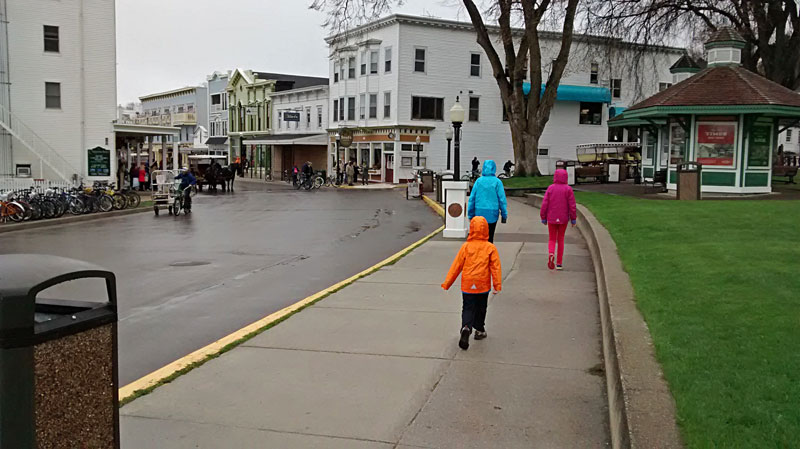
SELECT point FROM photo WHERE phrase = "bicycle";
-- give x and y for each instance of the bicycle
(10, 210)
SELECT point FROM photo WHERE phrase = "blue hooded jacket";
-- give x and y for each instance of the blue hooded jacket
(488, 197)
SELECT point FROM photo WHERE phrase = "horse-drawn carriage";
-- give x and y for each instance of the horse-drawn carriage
(208, 170)
(608, 162)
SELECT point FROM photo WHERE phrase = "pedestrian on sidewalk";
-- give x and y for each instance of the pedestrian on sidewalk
(558, 209)
(479, 265)
(142, 177)
(488, 198)
(350, 171)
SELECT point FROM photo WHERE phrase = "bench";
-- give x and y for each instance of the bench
(659, 177)
(787, 171)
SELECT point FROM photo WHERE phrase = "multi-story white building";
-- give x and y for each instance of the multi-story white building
(57, 86)
(395, 79)
(218, 113)
(185, 108)
(300, 128)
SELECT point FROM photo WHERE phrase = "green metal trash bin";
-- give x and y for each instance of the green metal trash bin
(58, 358)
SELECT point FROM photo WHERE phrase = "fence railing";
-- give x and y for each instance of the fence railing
(38, 146)
(10, 183)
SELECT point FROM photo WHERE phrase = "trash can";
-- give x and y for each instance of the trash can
(426, 176)
(689, 180)
(58, 358)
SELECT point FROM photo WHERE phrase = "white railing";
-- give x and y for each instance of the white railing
(8, 184)
(41, 149)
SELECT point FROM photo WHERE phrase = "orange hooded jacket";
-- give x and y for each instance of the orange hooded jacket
(477, 261)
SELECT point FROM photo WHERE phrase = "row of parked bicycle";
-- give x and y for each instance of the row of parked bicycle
(39, 203)
(315, 181)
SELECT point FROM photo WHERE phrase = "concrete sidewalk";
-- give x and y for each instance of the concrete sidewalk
(376, 365)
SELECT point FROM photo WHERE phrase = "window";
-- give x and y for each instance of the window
(51, 39)
(387, 60)
(406, 161)
(280, 119)
(362, 105)
(308, 116)
(341, 68)
(664, 86)
(351, 108)
(475, 64)
(224, 101)
(364, 62)
(335, 110)
(336, 72)
(52, 95)
(190, 108)
(616, 88)
(387, 104)
(593, 75)
(341, 108)
(474, 107)
(215, 99)
(319, 116)
(591, 113)
(373, 105)
(373, 62)
(351, 67)
(426, 108)
(788, 135)
(419, 60)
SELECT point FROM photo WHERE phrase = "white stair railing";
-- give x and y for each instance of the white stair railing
(38, 146)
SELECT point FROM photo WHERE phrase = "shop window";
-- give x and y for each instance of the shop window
(406, 162)
(474, 109)
(51, 40)
(419, 60)
(427, 108)
(677, 144)
(591, 113)
(52, 95)
(593, 75)
(376, 157)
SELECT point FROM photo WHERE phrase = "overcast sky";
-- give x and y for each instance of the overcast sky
(167, 44)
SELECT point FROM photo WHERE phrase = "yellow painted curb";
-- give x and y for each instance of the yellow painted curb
(214, 348)
(434, 205)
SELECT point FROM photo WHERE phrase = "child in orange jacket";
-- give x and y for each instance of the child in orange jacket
(479, 265)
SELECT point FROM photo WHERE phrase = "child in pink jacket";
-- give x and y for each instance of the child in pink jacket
(558, 208)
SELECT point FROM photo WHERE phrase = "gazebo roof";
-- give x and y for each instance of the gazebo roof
(687, 63)
(725, 34)
(722, 86)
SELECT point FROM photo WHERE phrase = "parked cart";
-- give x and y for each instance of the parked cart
(163, 190)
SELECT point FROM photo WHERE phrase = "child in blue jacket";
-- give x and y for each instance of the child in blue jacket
(488, 198)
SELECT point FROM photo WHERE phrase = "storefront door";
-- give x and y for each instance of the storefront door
(388, 168)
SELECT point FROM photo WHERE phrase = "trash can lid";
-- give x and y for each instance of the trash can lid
(27, 274)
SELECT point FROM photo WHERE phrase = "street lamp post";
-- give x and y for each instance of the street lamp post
(418, 150)
(338, 138)
(457, 117)
(449, 136)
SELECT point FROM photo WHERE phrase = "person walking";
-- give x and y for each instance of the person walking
(558, 209)
(355, 172)
(142, 177)
(134, 176)
(350, 173)
(479, 265)
(475, 164)
(488, 198)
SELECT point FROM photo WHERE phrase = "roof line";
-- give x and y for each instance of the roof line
(752, 86)
(168, 92)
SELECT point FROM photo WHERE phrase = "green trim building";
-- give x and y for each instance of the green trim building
(724, 117)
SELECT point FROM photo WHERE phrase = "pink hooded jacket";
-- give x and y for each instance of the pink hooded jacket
(558, 206)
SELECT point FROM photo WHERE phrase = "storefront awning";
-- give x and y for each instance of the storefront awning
(217, 140)
(567, 92)
(290, 139)
(615, 111)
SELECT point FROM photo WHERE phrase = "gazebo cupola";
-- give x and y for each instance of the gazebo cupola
(725, 47)
(683, 68)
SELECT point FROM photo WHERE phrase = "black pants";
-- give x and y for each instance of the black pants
(492, 227)
(473, 311)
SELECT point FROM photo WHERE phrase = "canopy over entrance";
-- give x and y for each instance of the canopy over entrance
(567, 92)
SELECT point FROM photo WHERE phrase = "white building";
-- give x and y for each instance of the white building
(395, 79)
(185, 108)
(300, 128)
(57, 86)
(218, 113)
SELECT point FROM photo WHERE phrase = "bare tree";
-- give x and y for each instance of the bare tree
(771, 28)
(521, 52)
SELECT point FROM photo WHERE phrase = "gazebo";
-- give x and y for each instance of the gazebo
(724, 117)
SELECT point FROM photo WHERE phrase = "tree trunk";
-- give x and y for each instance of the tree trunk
(525, 149)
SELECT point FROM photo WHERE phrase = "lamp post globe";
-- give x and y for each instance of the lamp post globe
(457, 117)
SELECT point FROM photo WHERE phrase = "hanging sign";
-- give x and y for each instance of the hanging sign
(345, 138)
(716, 144)
(99, 162)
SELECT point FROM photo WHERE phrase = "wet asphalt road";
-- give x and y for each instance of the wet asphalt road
(185, 282)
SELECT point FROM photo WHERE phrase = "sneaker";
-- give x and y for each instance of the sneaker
(559, 267)
(551, 262)
(480, 335)
(463, 343)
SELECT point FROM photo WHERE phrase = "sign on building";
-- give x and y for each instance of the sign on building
(251, 111)
(99, 162)
(291, 116)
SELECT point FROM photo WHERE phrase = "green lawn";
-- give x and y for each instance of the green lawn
(718, 283)
(528, 182)
(785, 185)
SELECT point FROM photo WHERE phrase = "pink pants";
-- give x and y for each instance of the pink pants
(557, 232)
